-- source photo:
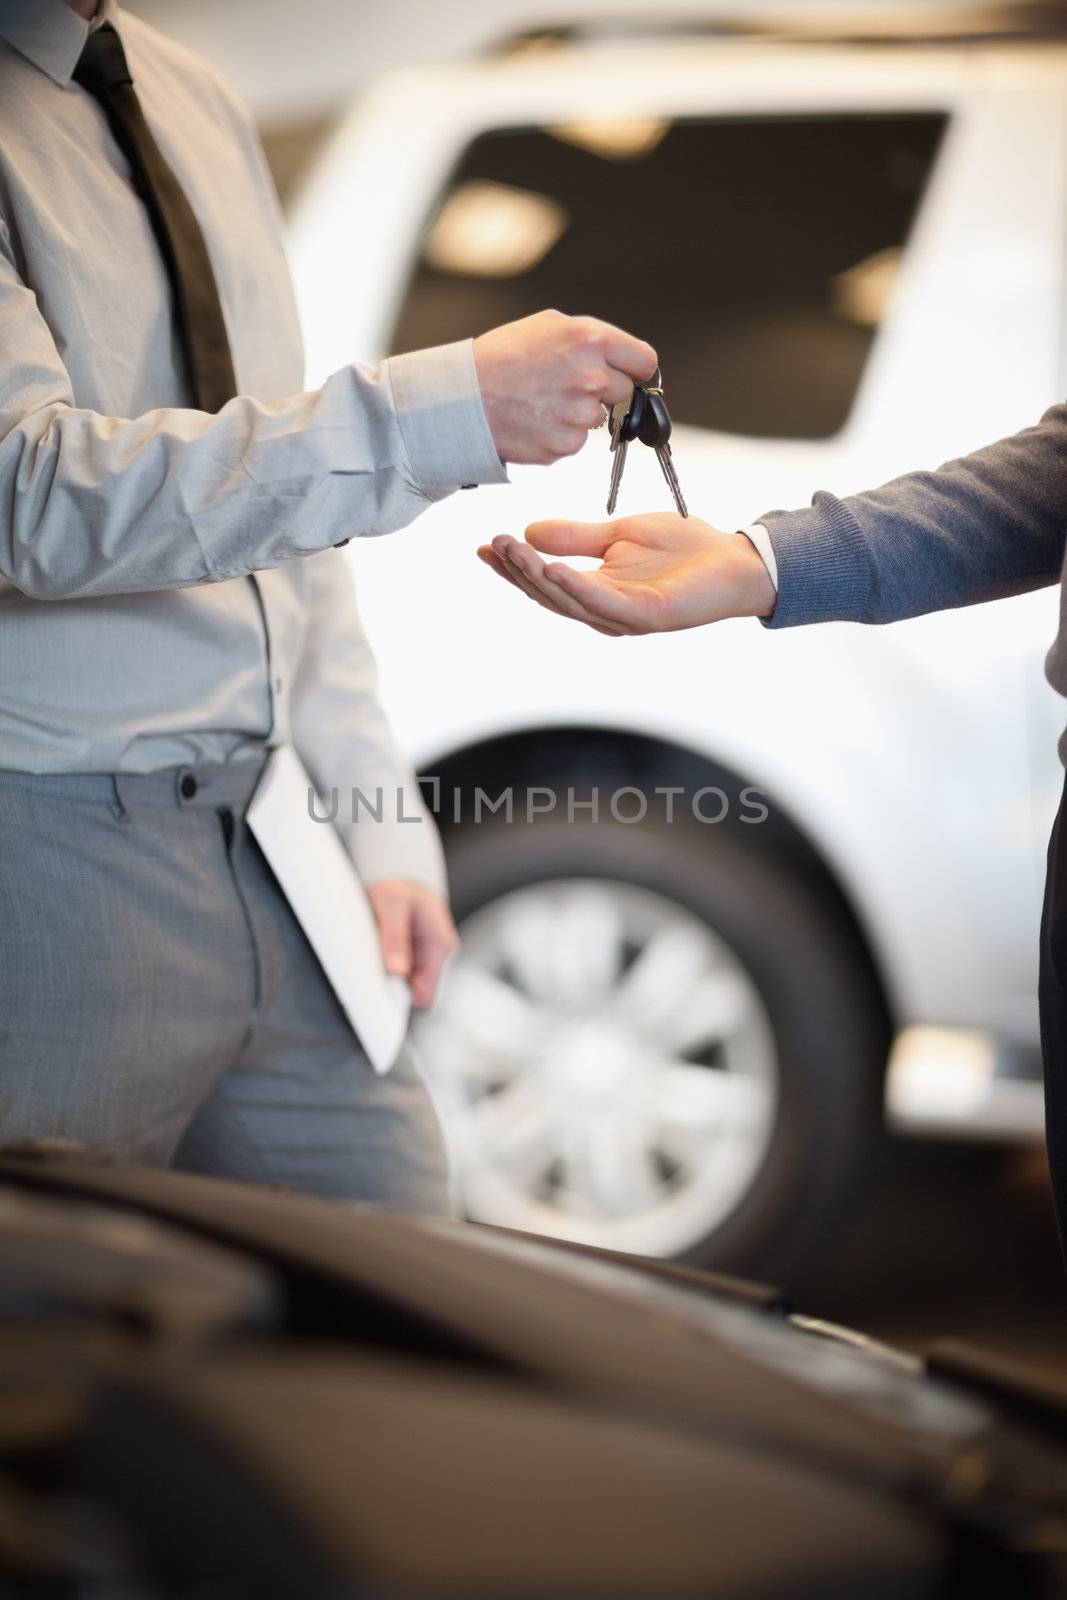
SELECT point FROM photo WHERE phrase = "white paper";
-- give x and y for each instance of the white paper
(319, 879)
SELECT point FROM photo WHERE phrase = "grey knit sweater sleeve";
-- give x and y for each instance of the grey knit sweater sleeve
(990, 524)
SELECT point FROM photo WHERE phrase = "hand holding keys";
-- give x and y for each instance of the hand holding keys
(646, 418)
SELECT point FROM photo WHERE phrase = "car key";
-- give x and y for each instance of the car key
(626, 419)
(618, 455)
(654, 430)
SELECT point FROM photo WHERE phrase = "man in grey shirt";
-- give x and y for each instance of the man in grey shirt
(171, 606)
(991, 524)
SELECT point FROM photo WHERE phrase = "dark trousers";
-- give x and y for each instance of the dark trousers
(1052, 989)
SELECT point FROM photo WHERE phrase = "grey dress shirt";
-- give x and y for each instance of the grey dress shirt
(132, 634)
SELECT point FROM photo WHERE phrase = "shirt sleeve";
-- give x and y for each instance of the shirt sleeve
(344, 740)
(98, 505)
(987, 525)
(758, 536)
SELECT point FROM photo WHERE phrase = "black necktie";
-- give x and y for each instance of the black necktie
(102, 70)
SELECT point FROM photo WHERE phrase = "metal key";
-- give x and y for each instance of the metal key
(618, 457)
(655, 431)
(625, 422)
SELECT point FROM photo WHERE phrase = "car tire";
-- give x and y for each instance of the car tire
(804, 958)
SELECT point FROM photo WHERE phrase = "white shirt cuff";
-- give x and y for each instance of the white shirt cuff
(442, 420)
(759, 536)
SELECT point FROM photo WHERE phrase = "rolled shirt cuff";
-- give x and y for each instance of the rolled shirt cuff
(442, 420)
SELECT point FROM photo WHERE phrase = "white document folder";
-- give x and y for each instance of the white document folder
(319, 879)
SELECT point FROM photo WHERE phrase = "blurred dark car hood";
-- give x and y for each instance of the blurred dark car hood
(215, 1390)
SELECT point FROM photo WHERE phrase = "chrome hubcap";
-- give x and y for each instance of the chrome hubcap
(604, 1067)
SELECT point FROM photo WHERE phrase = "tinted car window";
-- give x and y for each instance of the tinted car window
(756, 254)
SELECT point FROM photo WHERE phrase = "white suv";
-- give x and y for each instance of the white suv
(670, 1035)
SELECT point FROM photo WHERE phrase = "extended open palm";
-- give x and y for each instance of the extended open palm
(658, 573)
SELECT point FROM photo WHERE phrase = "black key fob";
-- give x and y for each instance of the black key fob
(630, 427)
(654, 428)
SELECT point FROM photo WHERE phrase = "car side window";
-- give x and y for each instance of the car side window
(757, 254)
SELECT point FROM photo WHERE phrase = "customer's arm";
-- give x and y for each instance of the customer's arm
(990, 524)
(987, 525)
(96, 505)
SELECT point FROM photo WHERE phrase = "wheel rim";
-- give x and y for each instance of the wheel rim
(604, 1067)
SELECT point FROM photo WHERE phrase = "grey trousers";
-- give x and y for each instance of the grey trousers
(159, 999)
